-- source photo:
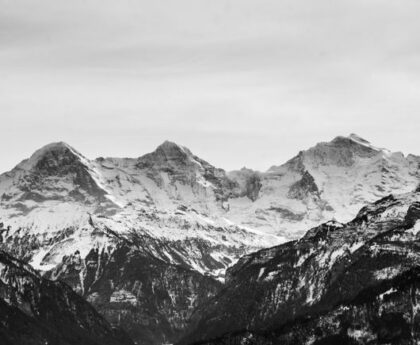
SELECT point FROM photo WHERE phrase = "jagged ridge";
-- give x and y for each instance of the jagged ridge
(334, 279)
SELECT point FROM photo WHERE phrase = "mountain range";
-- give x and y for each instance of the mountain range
(147, 241)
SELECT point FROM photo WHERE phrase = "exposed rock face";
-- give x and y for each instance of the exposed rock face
(181, 166)
(249, 182)
(150, 299)
(355, 283)
(37, 311)
(253, 186)
(413, 214)
(49, 173)
(126, 280)
(385, 314)
(303, 188)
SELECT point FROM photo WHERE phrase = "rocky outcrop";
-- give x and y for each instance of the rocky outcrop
(56, 163)
(151, 299)
(37, 311)
(413, 214)
(303, 188)
(253, 186)
(385, 314)
(135, 281)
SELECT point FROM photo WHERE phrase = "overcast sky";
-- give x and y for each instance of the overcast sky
(239, 82)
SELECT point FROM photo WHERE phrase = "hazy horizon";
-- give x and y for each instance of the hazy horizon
(239, 82)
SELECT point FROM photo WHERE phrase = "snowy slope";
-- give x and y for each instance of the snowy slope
(331, 180)
(144, 240)
(173, 196)
(54, 201)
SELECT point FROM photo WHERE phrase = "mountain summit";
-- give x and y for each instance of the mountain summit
(54, 155)
(168, 153)
(54, 177)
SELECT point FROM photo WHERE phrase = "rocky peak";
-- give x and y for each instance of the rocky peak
(54, 172)
(168, 154)
(52, 159)
(171, 152)
(171, 147)
(341, 151)
(180, 161)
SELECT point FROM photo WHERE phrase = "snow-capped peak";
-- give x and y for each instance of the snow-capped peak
(56, 180)
(167, 152)
(56, 146)
(330, 179)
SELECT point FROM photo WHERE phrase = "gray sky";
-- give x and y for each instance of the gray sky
(239, 82)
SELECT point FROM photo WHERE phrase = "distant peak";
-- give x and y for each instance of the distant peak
(169, 144)
(56, 148)
(170, 147)
(166, 152)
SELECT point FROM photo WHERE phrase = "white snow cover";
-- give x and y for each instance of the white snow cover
(171, 195)
(349, 172)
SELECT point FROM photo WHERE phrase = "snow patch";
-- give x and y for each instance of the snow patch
(262, 269)
(416, 228)
(388, 292)
(387, 273)
(123, 296)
